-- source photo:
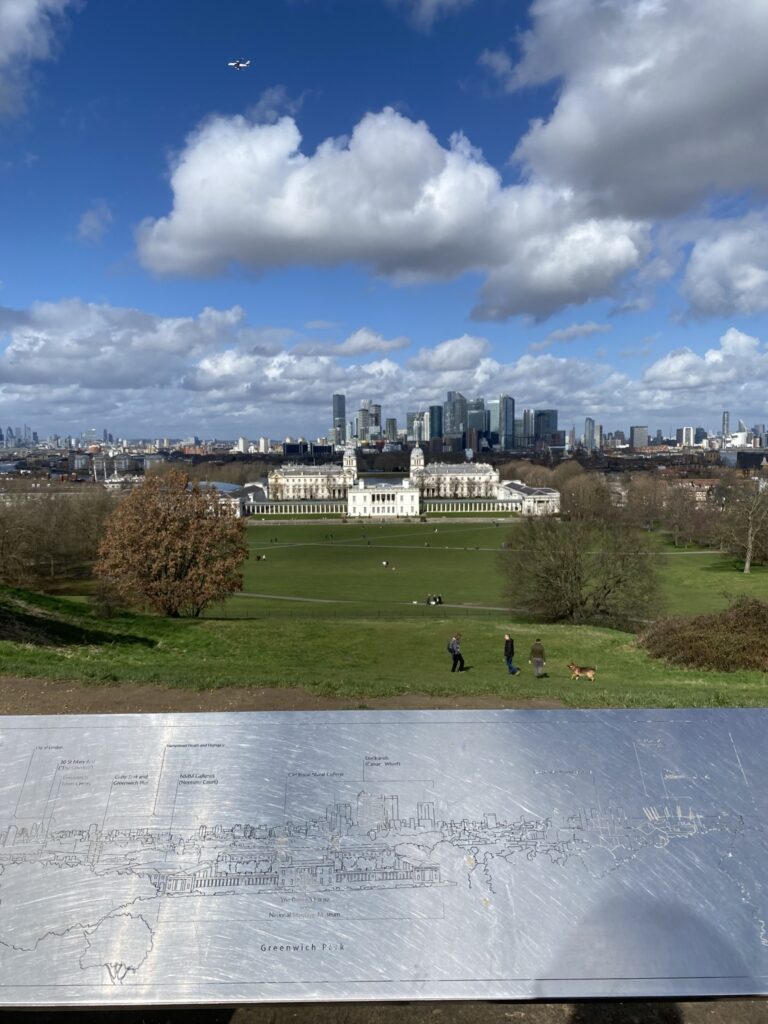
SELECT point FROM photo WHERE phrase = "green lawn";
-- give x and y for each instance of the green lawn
(695, 581)
(333, 619)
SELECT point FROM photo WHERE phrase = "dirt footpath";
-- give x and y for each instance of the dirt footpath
(45, 697)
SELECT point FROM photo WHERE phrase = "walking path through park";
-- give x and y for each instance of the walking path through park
(349, 600)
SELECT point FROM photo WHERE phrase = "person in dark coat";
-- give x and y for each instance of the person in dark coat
(454, 646)
(537, 659)
(509, 653)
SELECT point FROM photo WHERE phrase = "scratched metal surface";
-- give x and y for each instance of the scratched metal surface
(383, 855)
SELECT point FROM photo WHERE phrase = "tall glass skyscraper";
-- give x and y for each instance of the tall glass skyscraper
(529, 427)
(340, 417)
(435, 421)
(589, 433)
(506, 422)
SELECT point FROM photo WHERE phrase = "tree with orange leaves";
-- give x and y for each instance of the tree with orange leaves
(174, 545)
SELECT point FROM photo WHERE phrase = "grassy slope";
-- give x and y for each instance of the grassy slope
(361, 635)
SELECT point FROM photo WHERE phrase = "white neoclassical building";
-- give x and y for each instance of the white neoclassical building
(314, 483)
(434, 488)
(446, 480)
(383, 500)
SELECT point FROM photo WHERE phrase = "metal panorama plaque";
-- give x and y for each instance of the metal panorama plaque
(383, 855)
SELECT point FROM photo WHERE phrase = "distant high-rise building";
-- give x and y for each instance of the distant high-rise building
(435, 421)
(363, 422)
(340, 417)
(391, 429)
(506, 422)
(589, 434)
(375, 422)
(544, 424)
(477, 417)
(699, 435)
(638, 437)
(529, 427)
(726, 424)
(684, 436)
(454, 414)
(492, 407)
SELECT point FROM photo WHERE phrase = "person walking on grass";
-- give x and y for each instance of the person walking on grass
(509, 653)
(454, 648)
(537, 659)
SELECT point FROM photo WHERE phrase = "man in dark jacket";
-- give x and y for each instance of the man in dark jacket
(454, 646)
(509, 653)
(537, 659)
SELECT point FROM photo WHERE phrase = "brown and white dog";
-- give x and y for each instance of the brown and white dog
(577, 671)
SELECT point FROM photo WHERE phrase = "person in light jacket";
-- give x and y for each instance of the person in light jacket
(454, 647)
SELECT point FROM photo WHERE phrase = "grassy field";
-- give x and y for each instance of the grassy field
(320, 610)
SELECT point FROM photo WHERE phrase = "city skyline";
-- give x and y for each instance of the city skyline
(529, 425)
(554, 201)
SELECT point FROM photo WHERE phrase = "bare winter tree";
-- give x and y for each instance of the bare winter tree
(580, 571)
(51, 533)
(645, 500)
(587, 496)
(745, 517)
(173, 545)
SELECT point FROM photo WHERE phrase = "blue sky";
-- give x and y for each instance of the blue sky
(563, 200)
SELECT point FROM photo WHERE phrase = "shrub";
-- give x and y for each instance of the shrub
(727, 641)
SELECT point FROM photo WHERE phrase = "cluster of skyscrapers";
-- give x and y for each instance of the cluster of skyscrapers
(17, 436)
(457, 423)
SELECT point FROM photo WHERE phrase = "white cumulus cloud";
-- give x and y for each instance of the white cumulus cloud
(727, 272)
(660, 101)
(456, 354)
(27, 34)
(739, 358)
(101, 346)
(391, 197)
(215, 374)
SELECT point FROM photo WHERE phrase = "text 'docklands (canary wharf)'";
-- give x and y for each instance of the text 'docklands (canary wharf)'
(383, 855)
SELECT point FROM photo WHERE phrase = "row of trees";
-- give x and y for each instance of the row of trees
(598, 563)
(52, 533)
(168, 544)
(732, 515)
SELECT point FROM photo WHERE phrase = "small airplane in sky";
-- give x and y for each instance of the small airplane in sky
(239, 65)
